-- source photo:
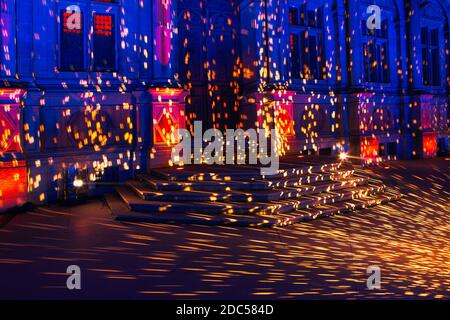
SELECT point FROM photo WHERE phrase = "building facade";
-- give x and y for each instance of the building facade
(97, 89)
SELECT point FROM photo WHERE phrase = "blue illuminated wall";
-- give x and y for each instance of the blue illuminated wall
(92, 97)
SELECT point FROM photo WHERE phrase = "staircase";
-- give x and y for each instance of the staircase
(304, 189)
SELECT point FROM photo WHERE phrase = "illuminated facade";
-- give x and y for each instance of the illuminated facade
(99, 87)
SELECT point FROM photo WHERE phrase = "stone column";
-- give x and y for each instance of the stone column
(165, 38)
(166, 97)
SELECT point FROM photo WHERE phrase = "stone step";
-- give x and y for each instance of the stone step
(257, 184)
(136, 203)
(280, 220)
(240, 172)
(147, 193)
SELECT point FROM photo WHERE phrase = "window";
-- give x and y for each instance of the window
(72, 46)
(430, 56)
(104, 42)
(376, 55)
(306, 43)
(293, 16)
(88, 36)
(387, 149)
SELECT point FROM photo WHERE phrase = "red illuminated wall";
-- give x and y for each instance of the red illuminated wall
(429, 144)
(168, 115)
(13, 184)
(369, 149)
(283, 111)
(13, 172)
(9, 129)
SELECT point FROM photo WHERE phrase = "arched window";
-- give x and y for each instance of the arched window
(306, 38)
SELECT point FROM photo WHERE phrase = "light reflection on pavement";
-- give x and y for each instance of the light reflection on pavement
(327, 258)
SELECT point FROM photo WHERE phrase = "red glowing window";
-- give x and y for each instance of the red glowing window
(104, 42)
(103, 25)
(9, 129)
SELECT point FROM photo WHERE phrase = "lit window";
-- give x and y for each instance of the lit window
(376, 55)
(72, 47)
(88, 27)
(430, 56)
(104, 43)
(306, 43)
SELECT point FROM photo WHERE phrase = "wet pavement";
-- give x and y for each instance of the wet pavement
(326, 258)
